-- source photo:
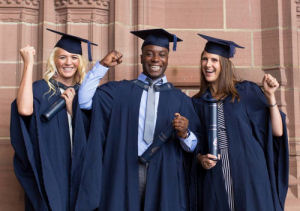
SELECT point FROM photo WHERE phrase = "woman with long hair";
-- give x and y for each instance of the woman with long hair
(43, 118)
(250, 171)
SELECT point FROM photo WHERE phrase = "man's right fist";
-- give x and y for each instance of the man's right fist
(112, 59)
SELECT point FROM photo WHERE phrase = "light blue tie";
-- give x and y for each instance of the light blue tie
(150, 113)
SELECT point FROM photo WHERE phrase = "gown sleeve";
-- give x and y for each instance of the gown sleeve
(90, 186)
(189, 112)
(275, 148)
(23, 138)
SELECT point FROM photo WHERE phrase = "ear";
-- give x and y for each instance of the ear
(141, 58)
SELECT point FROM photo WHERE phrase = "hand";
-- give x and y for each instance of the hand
(27, 54)
(270, 86)
(206, 160)
(69, 95)
(180, 123)
(112, 59)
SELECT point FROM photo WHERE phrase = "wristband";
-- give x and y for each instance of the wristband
(272, 105)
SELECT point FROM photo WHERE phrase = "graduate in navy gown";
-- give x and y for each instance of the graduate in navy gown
(252, 170)
(126, 170)
(46, 155)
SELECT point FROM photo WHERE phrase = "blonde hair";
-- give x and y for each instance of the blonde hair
(51, 69)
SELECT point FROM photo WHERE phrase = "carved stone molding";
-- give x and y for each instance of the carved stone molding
(19, 10)
(82, 16)
(297, 2)
(82, 11)
(18, 15)
(96, 4)
(31, 4)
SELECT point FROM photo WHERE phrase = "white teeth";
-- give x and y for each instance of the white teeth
(68, 68)
(155, 68)
(209, 71)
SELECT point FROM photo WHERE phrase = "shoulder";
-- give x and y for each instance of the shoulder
(113, 87)
(197, 100)
(249, 88)
(247, 85)
(198, 103)
(177, 94)
(174, 90)
(40, 84)
(251, 95)
(40, 87)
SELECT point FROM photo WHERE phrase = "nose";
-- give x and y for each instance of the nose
(155, 58)
(69, 61)
(208, 63)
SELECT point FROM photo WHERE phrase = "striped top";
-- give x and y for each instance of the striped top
(222, 137)
(223, 147)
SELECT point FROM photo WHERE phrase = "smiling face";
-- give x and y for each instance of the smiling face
(211, 67)
(66, 64)
(154, 60)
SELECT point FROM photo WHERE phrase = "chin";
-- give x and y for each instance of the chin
(210, 80)
(155, 76)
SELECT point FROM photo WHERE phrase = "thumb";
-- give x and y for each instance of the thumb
(177, 115)
(264, 78)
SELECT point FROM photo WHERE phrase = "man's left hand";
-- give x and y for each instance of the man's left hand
(180, 123)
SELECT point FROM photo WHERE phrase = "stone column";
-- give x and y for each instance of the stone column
(18, 26)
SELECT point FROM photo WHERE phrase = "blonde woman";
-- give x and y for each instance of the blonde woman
(46, 156)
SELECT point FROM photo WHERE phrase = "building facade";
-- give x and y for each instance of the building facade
(268, 29)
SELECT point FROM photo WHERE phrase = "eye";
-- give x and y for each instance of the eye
(214, 59)
(61, 57)
(75, 57)
(204, 59)
(149, 53)
(163, 54)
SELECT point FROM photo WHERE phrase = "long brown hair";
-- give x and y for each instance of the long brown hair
(226, 80)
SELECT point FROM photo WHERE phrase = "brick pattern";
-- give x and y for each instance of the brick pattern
(267, 29)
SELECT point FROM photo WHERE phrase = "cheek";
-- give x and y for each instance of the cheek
(165, 62)
(143, 60)
(58, 63)
(76, 63)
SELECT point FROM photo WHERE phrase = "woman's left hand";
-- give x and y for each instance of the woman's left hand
(69, 95)
(270, 85)
(207, 161)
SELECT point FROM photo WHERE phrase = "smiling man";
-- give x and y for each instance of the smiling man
(139, 135)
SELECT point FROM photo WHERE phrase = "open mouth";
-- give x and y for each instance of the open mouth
(155, 68)
(209, 71)
(68, 69)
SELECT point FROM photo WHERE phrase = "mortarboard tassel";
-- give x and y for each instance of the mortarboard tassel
(89, 51)
(174, 42)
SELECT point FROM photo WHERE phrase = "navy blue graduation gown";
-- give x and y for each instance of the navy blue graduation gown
(258, 160)
(110, 173)
(42, 160)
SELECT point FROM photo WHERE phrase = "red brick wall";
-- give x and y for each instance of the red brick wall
(268, 30)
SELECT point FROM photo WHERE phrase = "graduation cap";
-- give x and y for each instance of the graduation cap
(72, 43)
(220, 47)
(158, 37)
